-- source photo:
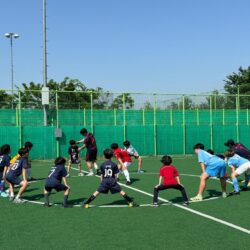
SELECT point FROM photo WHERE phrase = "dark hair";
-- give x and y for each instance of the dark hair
(166, 160)
(23, 151)
(28, 144)
(108, 153)
(60, 161)
(72, 142)
(5, 149)
(210, 151)
(229, 143)
(126, 143)
(83, 131)
(199, 146)
(229, 153)
(114, 146)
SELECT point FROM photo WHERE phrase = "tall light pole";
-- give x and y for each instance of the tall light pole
(11, 35)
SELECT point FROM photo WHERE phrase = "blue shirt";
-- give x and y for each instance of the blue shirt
(57, 172)
(236, 161)
(210, 161)
(17, 168)
(4, 162)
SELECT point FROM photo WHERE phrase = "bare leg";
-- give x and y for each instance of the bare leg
(203, 180)
(223, 184)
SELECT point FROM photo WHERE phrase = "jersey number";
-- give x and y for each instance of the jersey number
(108, 173)
(52, 172)
(14, 167)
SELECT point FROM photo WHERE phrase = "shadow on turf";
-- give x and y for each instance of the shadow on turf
(34, 197)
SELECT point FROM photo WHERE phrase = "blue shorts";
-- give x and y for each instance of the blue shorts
(14, 180)
(218, 171)
(109, 184)
(54, 184)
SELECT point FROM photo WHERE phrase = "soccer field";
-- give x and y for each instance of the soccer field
(214, 223)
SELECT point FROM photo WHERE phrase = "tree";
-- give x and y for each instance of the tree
(123, 99)
(238, 83)
(148, 106)
(5, 99)
(188, 104)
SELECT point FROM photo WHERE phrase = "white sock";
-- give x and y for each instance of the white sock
(11, 194)
(18, 196)
(95, 165)
(126, 174)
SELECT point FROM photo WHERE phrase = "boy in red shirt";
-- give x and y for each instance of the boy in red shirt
(124, 160)
(169, 179)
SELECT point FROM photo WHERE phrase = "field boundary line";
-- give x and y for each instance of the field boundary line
(239, 228)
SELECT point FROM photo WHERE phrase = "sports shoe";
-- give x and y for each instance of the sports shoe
(224, 195)
(98, 172)
(46, 205)
(128, 183)
(85, 205)
(196, 198)
(18, 200)
(185, 203)
(11, 198)
(155, 204)
(4, 194)
(31, 179)
(81, 174)
(90, 174)
(67, 175)
(132, 204)
(66, 206)
(233, 193)
(140, 171)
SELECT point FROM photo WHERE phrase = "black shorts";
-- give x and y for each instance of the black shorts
(14, 180)
(58, 186)
(91, 155)
(109, 184)
(75, 161)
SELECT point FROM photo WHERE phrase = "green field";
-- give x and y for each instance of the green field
(31, 226)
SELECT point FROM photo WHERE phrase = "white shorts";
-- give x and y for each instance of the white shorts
(244, 168)
(127, 164)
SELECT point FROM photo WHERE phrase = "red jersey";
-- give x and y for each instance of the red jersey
(122, 154)
(169, 173)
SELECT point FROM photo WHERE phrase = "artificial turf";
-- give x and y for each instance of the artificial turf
(31, 226)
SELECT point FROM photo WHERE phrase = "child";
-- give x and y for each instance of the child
(133, 152)
(169, 179)
(124, 160)
(4, 165)
(239, 166)
(54, 181)
(109, 171)
(211, 166)
(74, 157)
(18, 168)
(28, 145)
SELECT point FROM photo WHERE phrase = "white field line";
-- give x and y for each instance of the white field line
(244, 230)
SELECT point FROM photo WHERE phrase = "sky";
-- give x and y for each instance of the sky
(151, 46)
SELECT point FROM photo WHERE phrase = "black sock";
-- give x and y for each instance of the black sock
(127, 198)
(184, 195)
(46, 198)
(90, 199)
(65, 199)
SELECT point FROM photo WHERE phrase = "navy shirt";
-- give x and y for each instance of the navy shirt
(4, 162)
(17, 167)
(109, 169)
(242, 151)
(74, 154)
(57, 172)
(90, 142)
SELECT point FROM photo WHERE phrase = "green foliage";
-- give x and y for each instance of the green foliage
(5, 99)
(123, 100)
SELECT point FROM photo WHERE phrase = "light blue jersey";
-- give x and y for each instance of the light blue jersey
(215, 166)
(236, 161)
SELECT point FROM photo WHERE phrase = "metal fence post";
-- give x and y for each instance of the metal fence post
(237, 113)
(124, 116)
(184, 124)
(211, 122)
(57, 125)
(155, 128)
(20, 119)
(91, 112)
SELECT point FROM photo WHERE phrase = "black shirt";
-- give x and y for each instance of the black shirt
(109, 169)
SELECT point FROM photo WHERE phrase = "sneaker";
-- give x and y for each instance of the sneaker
(67, 175)
(140, 171)
(90, 174)
(244, 189)
(196, 198)
(224, 195)
(18, 200)
(98, 172)
(85, 205)
(133, 204)
(185, 203)
(4, 194)
(81, 174)
(155, 204)
(128, 183)
(11, 198)
(233, 193)
(46, 205)
(31, 179)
